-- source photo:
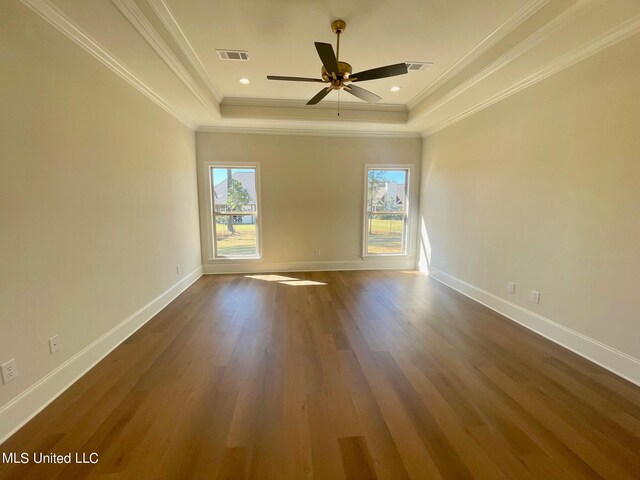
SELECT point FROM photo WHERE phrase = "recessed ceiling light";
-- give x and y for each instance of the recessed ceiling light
(245, 81)
(395, 89)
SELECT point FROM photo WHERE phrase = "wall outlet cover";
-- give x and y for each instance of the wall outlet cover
(9, 371)
(535, 296)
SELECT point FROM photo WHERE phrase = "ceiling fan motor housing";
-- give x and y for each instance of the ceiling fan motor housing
(344, 70)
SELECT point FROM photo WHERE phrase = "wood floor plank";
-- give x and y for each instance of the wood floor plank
(324, 443)
(233, 465)
(362, 375)
(356, 459)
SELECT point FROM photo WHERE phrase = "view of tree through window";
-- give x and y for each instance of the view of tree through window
(235, 211)
(386, 217)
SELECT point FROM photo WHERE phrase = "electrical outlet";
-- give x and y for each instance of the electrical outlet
(511, 288)
(316, 252)
(535, 296)
(177, 269)
(9, 371)
(54, 343)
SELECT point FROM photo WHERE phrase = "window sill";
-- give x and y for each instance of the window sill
(384, 255)
(234, 259)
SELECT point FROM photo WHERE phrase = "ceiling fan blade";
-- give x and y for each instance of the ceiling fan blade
(380, 72)
(319, 96)
(328, 57)
(362, 94)
(294, 79)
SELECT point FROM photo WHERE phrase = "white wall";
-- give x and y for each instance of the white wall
(312, 197)
(98, 203)
(543, 189)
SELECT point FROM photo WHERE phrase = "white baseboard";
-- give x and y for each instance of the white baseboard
(613, 360)
(29, 403)
(257, 266)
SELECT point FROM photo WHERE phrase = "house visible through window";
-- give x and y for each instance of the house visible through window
(234, 198)
(386, 211)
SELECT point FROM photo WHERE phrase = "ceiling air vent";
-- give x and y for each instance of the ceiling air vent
(241, 55)
(418, 66)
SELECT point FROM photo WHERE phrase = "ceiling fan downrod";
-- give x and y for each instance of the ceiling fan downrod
(338, 26)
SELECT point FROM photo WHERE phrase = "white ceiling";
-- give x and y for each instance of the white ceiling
(482, 51)
(279, 36)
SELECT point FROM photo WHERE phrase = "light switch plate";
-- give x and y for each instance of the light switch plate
(54, 343)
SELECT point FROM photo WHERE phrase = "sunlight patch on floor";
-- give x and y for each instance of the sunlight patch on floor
(284, 280)
(270, 278)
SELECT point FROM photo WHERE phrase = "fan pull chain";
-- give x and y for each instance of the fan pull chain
(339, 102)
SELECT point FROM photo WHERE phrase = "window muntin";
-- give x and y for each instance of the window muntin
(234, 212)
(387, 208)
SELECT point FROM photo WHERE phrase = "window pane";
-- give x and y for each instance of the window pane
(386, 190)
(385, 233)
(236, 236)
(234, 190)
(385, 229)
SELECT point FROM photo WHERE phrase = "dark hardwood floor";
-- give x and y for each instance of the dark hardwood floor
(363, 375)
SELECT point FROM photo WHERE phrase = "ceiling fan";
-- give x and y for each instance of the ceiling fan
(338, 75)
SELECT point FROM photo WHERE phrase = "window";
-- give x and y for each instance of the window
(234, 211)
(386, 211)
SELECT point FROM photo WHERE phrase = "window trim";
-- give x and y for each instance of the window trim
(406, 247)
(211, 237)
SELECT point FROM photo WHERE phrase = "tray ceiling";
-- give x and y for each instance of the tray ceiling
(481, 52)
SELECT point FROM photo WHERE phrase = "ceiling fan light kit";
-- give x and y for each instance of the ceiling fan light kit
(339, 75)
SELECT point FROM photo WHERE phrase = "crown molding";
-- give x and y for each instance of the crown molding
(527, 44)
(298, 110)
(324, 105)
(52, 14)
(611, 37)
(170, 22)
(307, 132)
(287, 111)
(134, 15)
(489, 41)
